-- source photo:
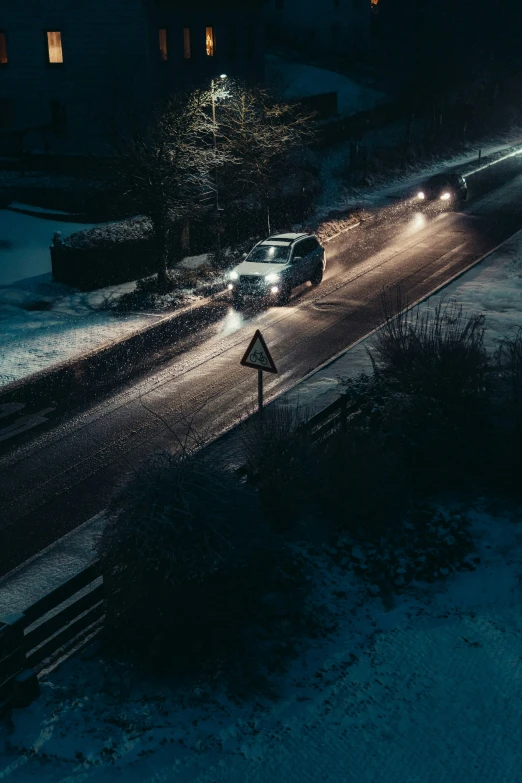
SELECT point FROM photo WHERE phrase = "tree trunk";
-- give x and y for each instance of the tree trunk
(161, 242)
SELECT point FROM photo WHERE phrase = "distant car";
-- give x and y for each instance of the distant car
(277, 265)
(449, 188)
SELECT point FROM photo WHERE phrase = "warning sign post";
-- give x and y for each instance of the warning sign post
(257, 356)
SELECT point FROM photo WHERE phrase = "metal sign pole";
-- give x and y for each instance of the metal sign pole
(260, 392)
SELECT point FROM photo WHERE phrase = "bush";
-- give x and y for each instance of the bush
(278, 458)
(508, 410)
(436, 353)
(362, 482)
(189, 562)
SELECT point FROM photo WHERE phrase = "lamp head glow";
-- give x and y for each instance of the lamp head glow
(222, 76)
(272, 277)
(445, 196)
(421, 195)
(233, 275)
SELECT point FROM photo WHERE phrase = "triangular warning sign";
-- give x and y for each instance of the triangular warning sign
(258, 356)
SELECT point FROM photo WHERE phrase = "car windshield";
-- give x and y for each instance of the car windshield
(438, 183)
(270, 254)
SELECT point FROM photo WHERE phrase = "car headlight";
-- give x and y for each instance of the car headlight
(421, 195)
(273, 277)
(445, 196)
(233, 275)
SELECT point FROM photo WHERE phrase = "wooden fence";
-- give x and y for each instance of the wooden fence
(44, 632)
(331, 419)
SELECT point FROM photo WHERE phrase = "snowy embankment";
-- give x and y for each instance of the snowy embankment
(427, 689)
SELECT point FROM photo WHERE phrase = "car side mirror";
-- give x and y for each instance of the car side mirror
(296, 258)
(244, 255)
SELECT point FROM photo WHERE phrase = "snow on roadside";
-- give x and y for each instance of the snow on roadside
(430, 689)
(34, 339)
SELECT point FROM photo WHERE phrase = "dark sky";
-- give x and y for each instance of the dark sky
(436, 43)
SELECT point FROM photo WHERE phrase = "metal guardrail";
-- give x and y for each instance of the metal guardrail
(47, 628)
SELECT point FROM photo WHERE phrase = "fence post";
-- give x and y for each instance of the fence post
(25, 687)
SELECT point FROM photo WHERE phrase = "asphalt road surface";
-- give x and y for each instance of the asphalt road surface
(63, 472)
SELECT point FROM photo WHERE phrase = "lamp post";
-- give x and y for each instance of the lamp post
(222, 76)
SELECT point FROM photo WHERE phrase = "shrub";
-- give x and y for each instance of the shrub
(431, 542)
(508, 410)
(188, 562)
(436, 353)
(362, 482)
(278, 458)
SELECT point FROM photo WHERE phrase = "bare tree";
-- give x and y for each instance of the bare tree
(165, 166)
(258, 133)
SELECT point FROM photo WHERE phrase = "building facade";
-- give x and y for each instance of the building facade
(319, 27)
(74, 71)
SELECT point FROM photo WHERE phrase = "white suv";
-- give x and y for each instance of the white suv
(276, 265)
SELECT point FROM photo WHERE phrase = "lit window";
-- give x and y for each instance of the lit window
(3, 48)
(186, 43)
(54, 47)
(163, 43)
(209, 41)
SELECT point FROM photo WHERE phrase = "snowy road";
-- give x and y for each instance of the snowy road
(52, 482)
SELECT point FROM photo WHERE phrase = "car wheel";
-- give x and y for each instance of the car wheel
(317, 275)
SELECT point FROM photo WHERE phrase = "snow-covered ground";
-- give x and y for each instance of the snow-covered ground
(34, 339)
(428, 689)
(297, 80)
(44, 323)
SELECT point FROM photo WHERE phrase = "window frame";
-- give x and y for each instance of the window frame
(48, 58)
(299, 247)
(4, 34)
